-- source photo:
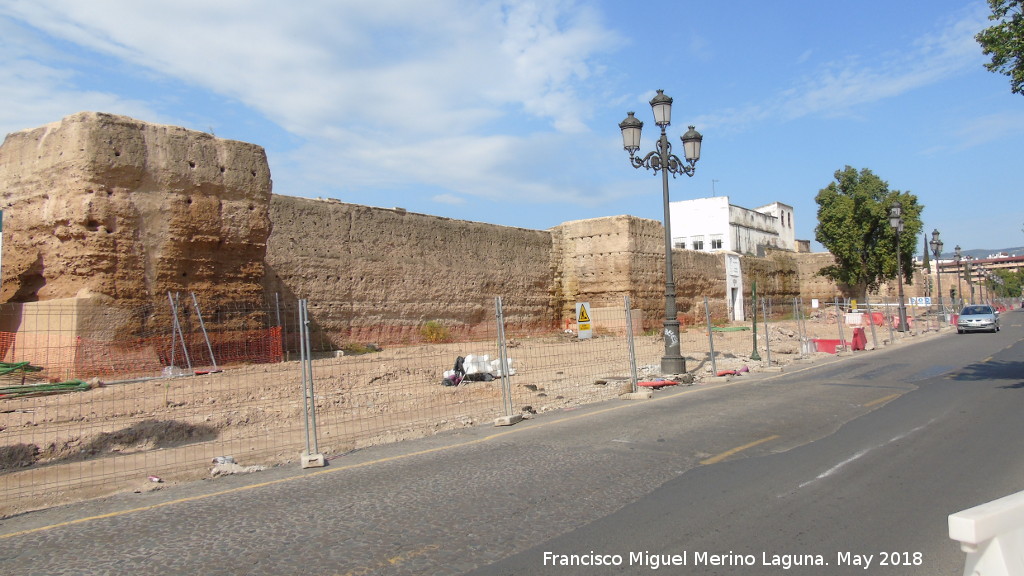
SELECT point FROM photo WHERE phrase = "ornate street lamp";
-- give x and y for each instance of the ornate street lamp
(998, 286)
(969, 274)
(896, 221)
(958, 256)
(663, 159)
(936, 245)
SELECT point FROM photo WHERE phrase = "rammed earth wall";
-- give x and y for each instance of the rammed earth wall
(376, 274)
(108, 205)
(105, 206)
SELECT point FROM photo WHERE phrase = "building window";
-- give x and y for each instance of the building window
(698, 242)
(716, 241)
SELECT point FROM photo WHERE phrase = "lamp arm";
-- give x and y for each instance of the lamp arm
(653, 161)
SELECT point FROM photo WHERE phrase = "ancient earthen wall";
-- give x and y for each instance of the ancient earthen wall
(108, 205)
(811, 285)
(604, 259)
(105, 205)
(377, 274)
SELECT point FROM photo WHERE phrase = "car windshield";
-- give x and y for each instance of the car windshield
(975, 310)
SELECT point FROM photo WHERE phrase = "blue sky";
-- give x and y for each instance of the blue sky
(508, 112)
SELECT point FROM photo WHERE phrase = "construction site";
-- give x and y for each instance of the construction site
(166, 317)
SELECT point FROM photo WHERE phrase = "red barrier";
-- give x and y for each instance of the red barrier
(826, 345)
(860, 341)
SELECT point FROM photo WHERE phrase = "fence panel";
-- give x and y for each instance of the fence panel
(97, 399)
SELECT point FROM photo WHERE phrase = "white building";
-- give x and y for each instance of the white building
(713, 224)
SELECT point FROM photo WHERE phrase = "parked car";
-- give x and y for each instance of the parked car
(975, 318)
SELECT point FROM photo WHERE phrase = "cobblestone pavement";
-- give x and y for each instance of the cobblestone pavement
(440, 505)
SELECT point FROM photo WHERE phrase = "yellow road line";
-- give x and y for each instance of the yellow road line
(392, 561)
(882, 400)
(332, 469)
(727, 453)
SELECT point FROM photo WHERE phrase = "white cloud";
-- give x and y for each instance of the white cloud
(36, 93)
(388, 93)
(421, 66)
(838, 88)
(449, 199)
(982, 130)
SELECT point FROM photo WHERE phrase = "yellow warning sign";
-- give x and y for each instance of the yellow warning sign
(583, 324)
(583, 316)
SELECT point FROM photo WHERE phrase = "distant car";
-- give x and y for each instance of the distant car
(976, 318)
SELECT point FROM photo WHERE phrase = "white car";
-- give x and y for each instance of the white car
(977, 318)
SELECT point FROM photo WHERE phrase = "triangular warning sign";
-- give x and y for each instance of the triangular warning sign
(583, 317)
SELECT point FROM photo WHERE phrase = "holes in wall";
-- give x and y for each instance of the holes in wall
(191, 163)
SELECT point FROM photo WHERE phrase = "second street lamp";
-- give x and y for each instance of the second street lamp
(936, 245)
(663, 159)
(958, 256)
(896, 221)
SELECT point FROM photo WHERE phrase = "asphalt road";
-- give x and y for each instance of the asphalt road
(862, 455)
(871, 498)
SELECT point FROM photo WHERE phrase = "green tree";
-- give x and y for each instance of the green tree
(1011, 284)
(1004, 41)
(853, 223)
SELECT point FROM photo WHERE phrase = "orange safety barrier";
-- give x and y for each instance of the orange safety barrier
(6, 342)
(151, 355)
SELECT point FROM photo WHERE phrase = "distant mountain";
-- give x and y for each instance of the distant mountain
(984, 252)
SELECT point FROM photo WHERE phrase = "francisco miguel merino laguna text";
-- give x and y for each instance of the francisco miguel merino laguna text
(655, 561)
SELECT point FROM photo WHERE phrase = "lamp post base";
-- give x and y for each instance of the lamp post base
(901, 323)
(673, 365)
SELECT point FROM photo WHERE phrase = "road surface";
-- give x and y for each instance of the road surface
(841, 462)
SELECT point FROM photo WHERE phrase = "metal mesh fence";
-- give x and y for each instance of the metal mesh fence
(96, 399)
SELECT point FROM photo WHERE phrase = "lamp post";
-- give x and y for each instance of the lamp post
(896, 221)
(958, 256)
(998, 286)
(969, 273)
(753, 296)
(936, 245)
(663, 159)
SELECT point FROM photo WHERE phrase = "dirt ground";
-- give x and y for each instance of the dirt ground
(150, 434)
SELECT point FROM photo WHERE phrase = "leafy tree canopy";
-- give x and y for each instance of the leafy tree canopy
(1004, 41)
(853, 223)
(1010, 285)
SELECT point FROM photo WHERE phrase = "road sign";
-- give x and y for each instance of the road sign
(583, 324)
